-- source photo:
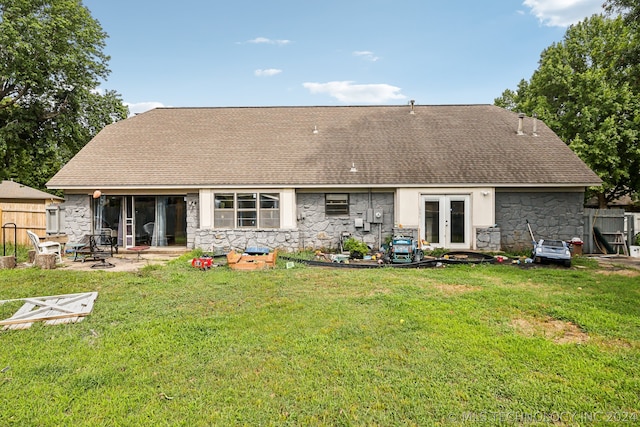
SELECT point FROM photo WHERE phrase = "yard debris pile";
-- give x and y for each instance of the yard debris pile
(378, 260)
(52, 310)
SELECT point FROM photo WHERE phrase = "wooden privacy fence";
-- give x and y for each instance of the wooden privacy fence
(26, 216)
(610, 222)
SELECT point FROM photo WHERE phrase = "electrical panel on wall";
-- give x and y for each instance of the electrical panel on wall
(377, 216)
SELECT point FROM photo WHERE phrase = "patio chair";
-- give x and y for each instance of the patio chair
(99, 251)
(148, 229)
(47, 247)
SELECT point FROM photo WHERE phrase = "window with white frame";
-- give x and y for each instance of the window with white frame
(269, 210)
(224, 212)
(246, 210)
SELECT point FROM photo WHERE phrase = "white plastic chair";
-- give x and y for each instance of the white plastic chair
(148, 229)
(47, 247)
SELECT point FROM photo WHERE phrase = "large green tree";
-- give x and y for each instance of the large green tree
(51, 64)
(585, 90)
(630, 9)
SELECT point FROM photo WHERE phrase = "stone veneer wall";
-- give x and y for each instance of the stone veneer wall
(488, 239)
(551, 215)
(322, 231)
(77, 216)
(193, 219)
(315, 229)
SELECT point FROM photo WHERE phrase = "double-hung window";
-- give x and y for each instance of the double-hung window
(246, 210)
(247, 214)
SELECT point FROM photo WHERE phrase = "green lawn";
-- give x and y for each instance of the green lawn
(312, 346)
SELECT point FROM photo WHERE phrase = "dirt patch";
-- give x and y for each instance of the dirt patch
(118, 262)
(456, 289)
(559, 331)
(619, 272)
(383, 291)
(617, 262)
(618, 344)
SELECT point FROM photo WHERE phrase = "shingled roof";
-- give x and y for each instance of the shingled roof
(16, 191)
(317, 146)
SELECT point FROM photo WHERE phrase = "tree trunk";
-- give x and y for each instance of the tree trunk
(46, 261)
(7, 262)
(602, 201)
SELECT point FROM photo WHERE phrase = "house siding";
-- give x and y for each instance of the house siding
(551, 215)
(556, 215)
(315, 229)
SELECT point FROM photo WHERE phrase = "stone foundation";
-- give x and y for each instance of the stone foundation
(488, 239)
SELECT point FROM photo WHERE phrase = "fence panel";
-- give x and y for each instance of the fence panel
(608, 221)
(26, 217)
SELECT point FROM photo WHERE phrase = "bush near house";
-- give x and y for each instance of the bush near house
(355, 247)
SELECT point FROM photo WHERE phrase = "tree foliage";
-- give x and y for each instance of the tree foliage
(587, 92)
(630, 9)
(51, 64)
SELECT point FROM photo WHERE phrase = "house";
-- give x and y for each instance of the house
(458, 176)
(25, 207)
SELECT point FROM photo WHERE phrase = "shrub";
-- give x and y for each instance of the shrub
(356, 248)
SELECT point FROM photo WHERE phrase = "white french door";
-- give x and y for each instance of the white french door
(446, 220)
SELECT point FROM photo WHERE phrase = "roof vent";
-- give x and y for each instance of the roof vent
(315, 130)
(521, 124)
(353, 168)
(412, 103)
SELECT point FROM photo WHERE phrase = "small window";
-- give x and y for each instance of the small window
(336, 204)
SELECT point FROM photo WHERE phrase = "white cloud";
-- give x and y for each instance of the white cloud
(268, 72)
(562, 13)
(367, 55)
(264, 40)
(141, 107)
(348, 92)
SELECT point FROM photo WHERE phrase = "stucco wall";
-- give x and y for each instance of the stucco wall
(552, 215)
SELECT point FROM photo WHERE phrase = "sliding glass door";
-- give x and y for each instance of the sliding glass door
(143, 220)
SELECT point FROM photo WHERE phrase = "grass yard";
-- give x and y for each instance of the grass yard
(173, 345)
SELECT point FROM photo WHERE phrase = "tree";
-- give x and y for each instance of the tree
(630, 9)
(51, 62)
(585, 91)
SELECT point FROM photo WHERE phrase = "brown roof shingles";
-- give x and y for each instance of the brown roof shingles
(14, 190)
(276, 146)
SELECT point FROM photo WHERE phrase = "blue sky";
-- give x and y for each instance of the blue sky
(199, 53)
